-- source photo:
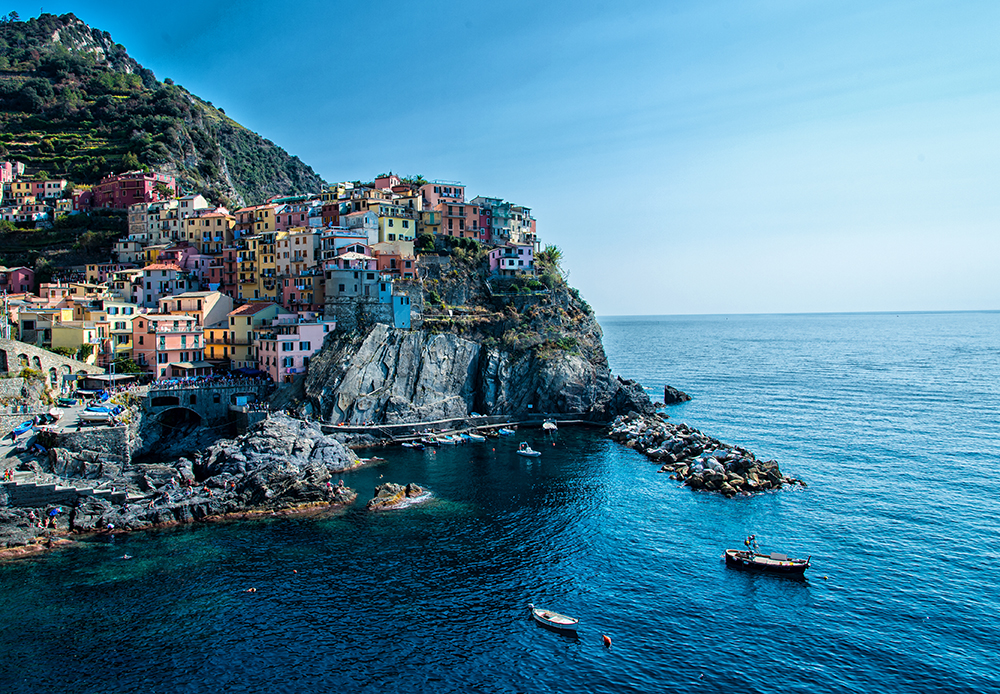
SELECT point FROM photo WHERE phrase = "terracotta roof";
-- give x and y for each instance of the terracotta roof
(163, 266)
(251, 308)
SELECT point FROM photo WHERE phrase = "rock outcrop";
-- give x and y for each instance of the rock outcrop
(697, 459)
(395, 376)
(281, 464)
(390, 496)
(672, 396)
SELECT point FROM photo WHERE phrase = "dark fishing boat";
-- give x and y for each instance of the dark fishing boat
(753, 560)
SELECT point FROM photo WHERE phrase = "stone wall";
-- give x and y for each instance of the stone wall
(111, 443)
(10, 387)
(15, 355)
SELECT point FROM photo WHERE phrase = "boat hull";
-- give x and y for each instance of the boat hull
(554, 620)
(748, 561)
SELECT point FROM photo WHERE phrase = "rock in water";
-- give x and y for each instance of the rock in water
(390, 496)
(672, 396)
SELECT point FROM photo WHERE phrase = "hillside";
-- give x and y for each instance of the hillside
(74, 104)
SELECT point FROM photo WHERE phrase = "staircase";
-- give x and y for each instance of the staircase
(25, 494)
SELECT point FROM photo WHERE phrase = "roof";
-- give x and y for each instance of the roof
(252, 308)
(354, 256)
(192, 365)
(163, 266)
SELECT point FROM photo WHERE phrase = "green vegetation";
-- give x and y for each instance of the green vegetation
(64, 111)
(63, 351)
(124, 365)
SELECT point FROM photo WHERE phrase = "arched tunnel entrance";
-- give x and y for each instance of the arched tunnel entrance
(177, 423)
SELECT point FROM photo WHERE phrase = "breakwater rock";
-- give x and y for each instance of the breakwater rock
(391, 496)
(697, 459)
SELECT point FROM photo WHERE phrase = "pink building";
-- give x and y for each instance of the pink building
(285, 347)
(169, 346)
(9, 170)
(16, 280)
(447, 192)
(512, 259)
(126, 189)
(386, 182)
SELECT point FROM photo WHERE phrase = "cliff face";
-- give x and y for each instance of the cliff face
(545, 357)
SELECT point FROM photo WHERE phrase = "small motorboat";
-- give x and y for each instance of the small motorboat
(476, 437)
(526, 450)
(549, 425)
(66, 402)
(553, 620)
(505, 431)
(413, 444)
(754, 560)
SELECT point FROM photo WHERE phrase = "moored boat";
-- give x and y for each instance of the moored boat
(526, 450)
(549, 425)
(505, 431)
(476, 437)
(553, 620)
(775, 562)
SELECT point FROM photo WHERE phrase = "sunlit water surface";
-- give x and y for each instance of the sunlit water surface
(892, 420)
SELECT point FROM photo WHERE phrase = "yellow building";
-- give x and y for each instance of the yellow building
(267, 266)
(210, 233)
(243, 321)
(74, 335)
(297, 251)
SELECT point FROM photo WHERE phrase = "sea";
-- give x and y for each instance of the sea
(893, 421)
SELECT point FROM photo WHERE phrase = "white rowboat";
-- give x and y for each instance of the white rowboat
(553, 620)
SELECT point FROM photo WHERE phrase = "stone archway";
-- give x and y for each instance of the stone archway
(178, 422)
(36, 363)
(22, 361)
(53, 377)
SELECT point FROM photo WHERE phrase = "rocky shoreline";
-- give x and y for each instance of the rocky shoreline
(283, 465)
(696, 459)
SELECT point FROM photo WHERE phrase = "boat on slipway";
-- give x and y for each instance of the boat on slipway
(553, 620)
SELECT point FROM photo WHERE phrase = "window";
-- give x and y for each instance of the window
(193, 400)
(304, 346)
(406, 224)
(287, 346)
(390, 222)
(341, 288)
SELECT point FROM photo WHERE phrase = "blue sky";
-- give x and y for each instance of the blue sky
(688, 157)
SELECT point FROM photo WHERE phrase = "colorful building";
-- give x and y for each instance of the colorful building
(169, 346)
(120, 191)
(285, 347)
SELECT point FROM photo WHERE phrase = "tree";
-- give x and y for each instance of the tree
(130, 162)
(124, 365)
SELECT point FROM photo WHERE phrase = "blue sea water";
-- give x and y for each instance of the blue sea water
(891, 419)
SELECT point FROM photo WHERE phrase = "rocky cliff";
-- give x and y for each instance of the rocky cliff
(497, 354)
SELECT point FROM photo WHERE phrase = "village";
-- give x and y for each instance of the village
(194, 289)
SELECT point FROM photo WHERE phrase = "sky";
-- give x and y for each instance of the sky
(704, 157)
